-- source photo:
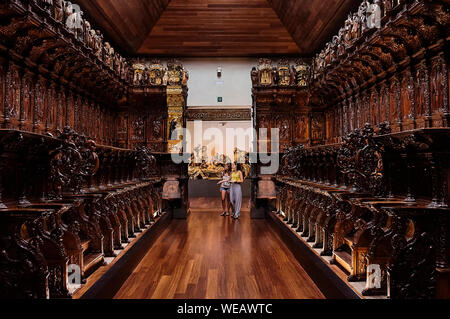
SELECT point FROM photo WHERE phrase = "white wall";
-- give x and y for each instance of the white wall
(234, 86)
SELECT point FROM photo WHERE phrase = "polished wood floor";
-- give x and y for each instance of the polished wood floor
(209, 256)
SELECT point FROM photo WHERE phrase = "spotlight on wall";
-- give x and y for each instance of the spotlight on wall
(219, 72)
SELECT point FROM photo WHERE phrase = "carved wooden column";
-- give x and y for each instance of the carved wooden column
(409, 158)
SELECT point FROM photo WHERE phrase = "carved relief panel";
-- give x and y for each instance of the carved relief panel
(407, 99)
(265, 72)
(317, 128)
(301, 128)
(285, 76)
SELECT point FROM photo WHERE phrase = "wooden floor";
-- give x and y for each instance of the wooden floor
(209, 256)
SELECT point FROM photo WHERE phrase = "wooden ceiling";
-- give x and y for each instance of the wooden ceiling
(126, 23)
(312, 23)
(218, 27)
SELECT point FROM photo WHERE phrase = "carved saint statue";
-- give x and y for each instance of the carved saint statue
(172, 128)
(356, 27)
(348, 30)
(254, 76)
(107, 53)
(87, 33)
(58, 10)
(99, 44)
(185, 77)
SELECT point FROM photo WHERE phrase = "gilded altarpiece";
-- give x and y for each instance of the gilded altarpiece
(177, 78)
(175, 120)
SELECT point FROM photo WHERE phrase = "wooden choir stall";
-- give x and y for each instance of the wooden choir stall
(363, 186)
(84, 162)
(365, 146)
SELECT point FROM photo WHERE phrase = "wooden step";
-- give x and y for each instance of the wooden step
(344, 259)
(90, 261)
(85, 244)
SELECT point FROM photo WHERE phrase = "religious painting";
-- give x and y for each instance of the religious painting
(301, 128)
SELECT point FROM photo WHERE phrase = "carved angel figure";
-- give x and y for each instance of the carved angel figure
(356, 27)
(78, 24)
(387, 5)
(107, 53)
(68, 18)
(99, 44)
(58, 10)
(87, 33)
(185, 78)
(341, 46)
(116, 66)
(348, 30)
(93, 40)
(111, 55)
(166, 76)
(254, 76)
(362, 14)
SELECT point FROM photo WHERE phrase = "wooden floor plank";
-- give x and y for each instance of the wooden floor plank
(209, 256)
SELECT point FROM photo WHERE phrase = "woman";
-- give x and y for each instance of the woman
(237, 178)
(225, 185)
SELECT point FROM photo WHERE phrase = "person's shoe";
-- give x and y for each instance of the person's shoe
(224, 214)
